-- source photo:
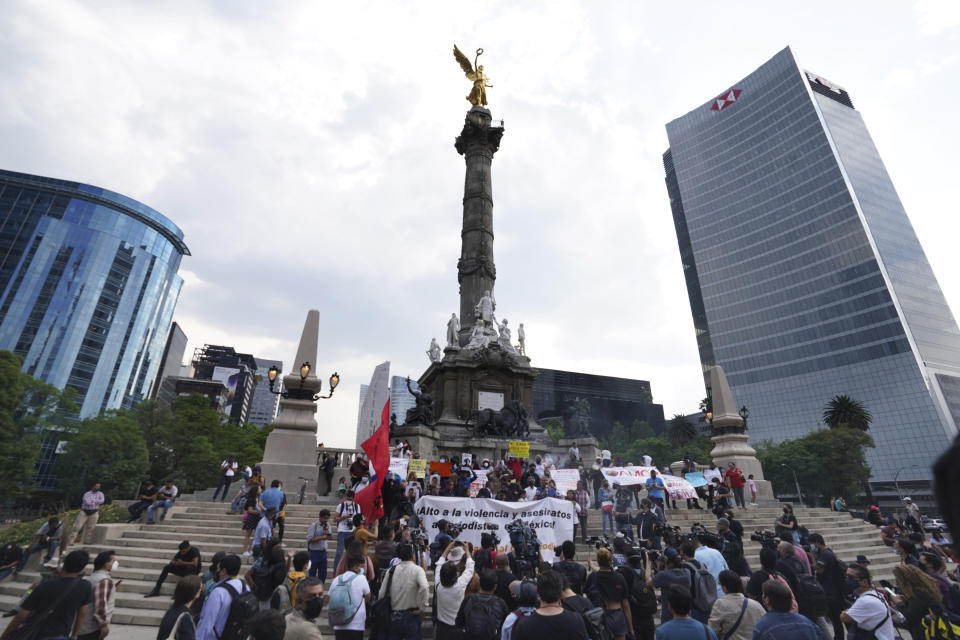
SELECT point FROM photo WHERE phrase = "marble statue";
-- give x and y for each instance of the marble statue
(434, 352)
(478, 335)
(422, 411)
(522, 337)
(474, 72)
(485, 308)
(453, 328)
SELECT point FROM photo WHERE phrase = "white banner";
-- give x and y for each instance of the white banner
(678, 488)
(551, 518)
(566, 480)
(398, 466)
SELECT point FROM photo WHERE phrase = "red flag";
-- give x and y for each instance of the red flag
(377, 447)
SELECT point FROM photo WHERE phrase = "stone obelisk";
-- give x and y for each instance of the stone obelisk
(291, 449)
(476, 272)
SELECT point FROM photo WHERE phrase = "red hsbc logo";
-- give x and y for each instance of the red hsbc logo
(726, 100)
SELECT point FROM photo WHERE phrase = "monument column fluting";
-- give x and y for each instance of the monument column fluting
(476, 271)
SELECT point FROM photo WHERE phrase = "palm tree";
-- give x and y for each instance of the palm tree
(844, 411)
(681, 431)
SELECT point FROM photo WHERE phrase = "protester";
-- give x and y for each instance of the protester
(920, 595)
(452, 573)
(47, 537)
(177, 622)
(317, 536)
(681, 626)
(343, 518)
(768, 573)
(913, 519)
(354, 580)
(735, 481)
(869, 612)
(96, 623)
(228, 470)
(58, 605)
(525, 593)
(734, 615)
(655, 489)
(933, 566)
(831, 577)
(185, 562)
(608, 589)
(605, 499)
(710, 474)
(505, 578)
(622, 508)
(409, 595)
(90, 504)
(285, 598)
(583, 499)
(166, 496)
(550, 620)
(649, 525)
(328, 465)
(786, 525)
(573, 571)
(780, 622)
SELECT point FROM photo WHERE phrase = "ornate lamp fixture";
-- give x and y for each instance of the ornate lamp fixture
(300, 393)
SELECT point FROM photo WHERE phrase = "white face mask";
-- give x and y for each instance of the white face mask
(307, 568)
(116, 565)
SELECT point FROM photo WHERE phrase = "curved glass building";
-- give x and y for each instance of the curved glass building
(805, 277)
(89, 284)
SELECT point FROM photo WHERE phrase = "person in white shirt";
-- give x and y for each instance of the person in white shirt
(228, 471)
(869, 612)
(530, 491)
(360, 594)
(450, 586)
(647, 460)
(344, 520)
(166, 496)
(606, 457)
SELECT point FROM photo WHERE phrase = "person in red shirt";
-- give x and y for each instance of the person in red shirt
(735, 480)
(516, 467)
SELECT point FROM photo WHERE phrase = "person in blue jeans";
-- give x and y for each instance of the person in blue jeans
(605, 495)
(779, 623)
(343, 518)
(655, 487)
(317, 536)
(166, 496)
(47, 537)
(682, 626)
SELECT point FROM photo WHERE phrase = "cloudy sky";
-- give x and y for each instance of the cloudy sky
(306, 150)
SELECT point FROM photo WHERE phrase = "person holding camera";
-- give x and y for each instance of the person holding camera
(453, 572)
(672, 573)
(608, 589)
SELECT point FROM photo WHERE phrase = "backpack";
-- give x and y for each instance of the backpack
(521, 616)
(593, 617)
(703, 587)
(340, 609)
(480, 620)
(261, 581)
(644, 597)
(483, 560)
(243, 606)
(811, 598)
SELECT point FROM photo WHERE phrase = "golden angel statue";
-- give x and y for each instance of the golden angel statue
(478, 95)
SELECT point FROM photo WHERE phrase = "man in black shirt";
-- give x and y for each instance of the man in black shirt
(504, 578)
(67, 597)
(186, 562)
(608, 589)
(575, 572)
(10, 556)
(148, 495)
(550, 621)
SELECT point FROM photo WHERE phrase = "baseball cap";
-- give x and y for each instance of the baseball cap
(671, 552)
(723, 521)
(862, 559)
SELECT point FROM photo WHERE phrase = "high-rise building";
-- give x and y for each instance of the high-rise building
(400, 400)
(88, 286)
(172, 361)
(264, 404)
(237, 372)
(586, 401)
(805, 277)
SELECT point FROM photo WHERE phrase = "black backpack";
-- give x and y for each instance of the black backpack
(243, 606)
(480, 620)
(483, 560)
(644, 597)
(262, 587)
(811, 598)
(593, 617)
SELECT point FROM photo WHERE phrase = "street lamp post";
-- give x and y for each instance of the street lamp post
(895, 479)
(795, 481)
(744, 413)
(300, 393)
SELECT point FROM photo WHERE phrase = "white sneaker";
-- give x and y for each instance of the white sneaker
(247, 554)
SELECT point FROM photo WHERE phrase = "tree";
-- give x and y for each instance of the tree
(828, 462)
(681, 431)
(19, 444)
(108, 449)
(706, 405)
(642, 430)
(554, 427)
(844, 411)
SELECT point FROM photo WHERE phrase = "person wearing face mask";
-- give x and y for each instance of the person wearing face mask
(832, 578)
(869, 613)
(96, 623)
(302, 619)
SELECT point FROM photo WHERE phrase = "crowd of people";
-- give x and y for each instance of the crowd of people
(645, 580)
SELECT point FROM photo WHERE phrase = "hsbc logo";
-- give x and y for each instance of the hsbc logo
(725, 100)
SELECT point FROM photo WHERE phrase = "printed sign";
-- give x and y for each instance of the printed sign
(418, 466)
(442, 468)
(678, 488)
(479, 482)
(466, 459)
(489, 400)
(695, 479)
(398, 466)
(520, 448)
(551, 518)
(566, 480)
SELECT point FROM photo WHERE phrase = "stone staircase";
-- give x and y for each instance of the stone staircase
(143, 550)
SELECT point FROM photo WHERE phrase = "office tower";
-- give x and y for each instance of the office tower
(88, 286)
(264, 404)
(237, 372)
(805, 277)
(172, 361)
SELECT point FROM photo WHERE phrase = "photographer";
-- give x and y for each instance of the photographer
(672, 574)
(575, 573)
(454, 571)
(768, 571)
(485, 556)
(649, 525)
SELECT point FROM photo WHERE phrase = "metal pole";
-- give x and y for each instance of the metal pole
(796, 482)
(897, 484)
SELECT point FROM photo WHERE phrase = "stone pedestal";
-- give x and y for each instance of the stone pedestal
(291, 449)
(589, 449)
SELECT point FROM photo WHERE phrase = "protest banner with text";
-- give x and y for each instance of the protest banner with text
(566, 480)
(398, 466)
(520, 448)
(551, 518)
(678, 488)
(418, 466)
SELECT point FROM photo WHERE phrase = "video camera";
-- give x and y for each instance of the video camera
(418, 539)
(706, 537)
(453, 529)
(767, 539)
(526, 548)
(672, 536)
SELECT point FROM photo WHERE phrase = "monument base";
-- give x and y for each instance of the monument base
(289, 456)
(589, 449)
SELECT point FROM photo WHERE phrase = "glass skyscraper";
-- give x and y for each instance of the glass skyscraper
(805, 277)
(89, 284)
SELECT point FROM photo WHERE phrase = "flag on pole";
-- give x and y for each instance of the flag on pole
(377, 448)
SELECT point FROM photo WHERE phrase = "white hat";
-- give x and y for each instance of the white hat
(455, 554)
(908, 499)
